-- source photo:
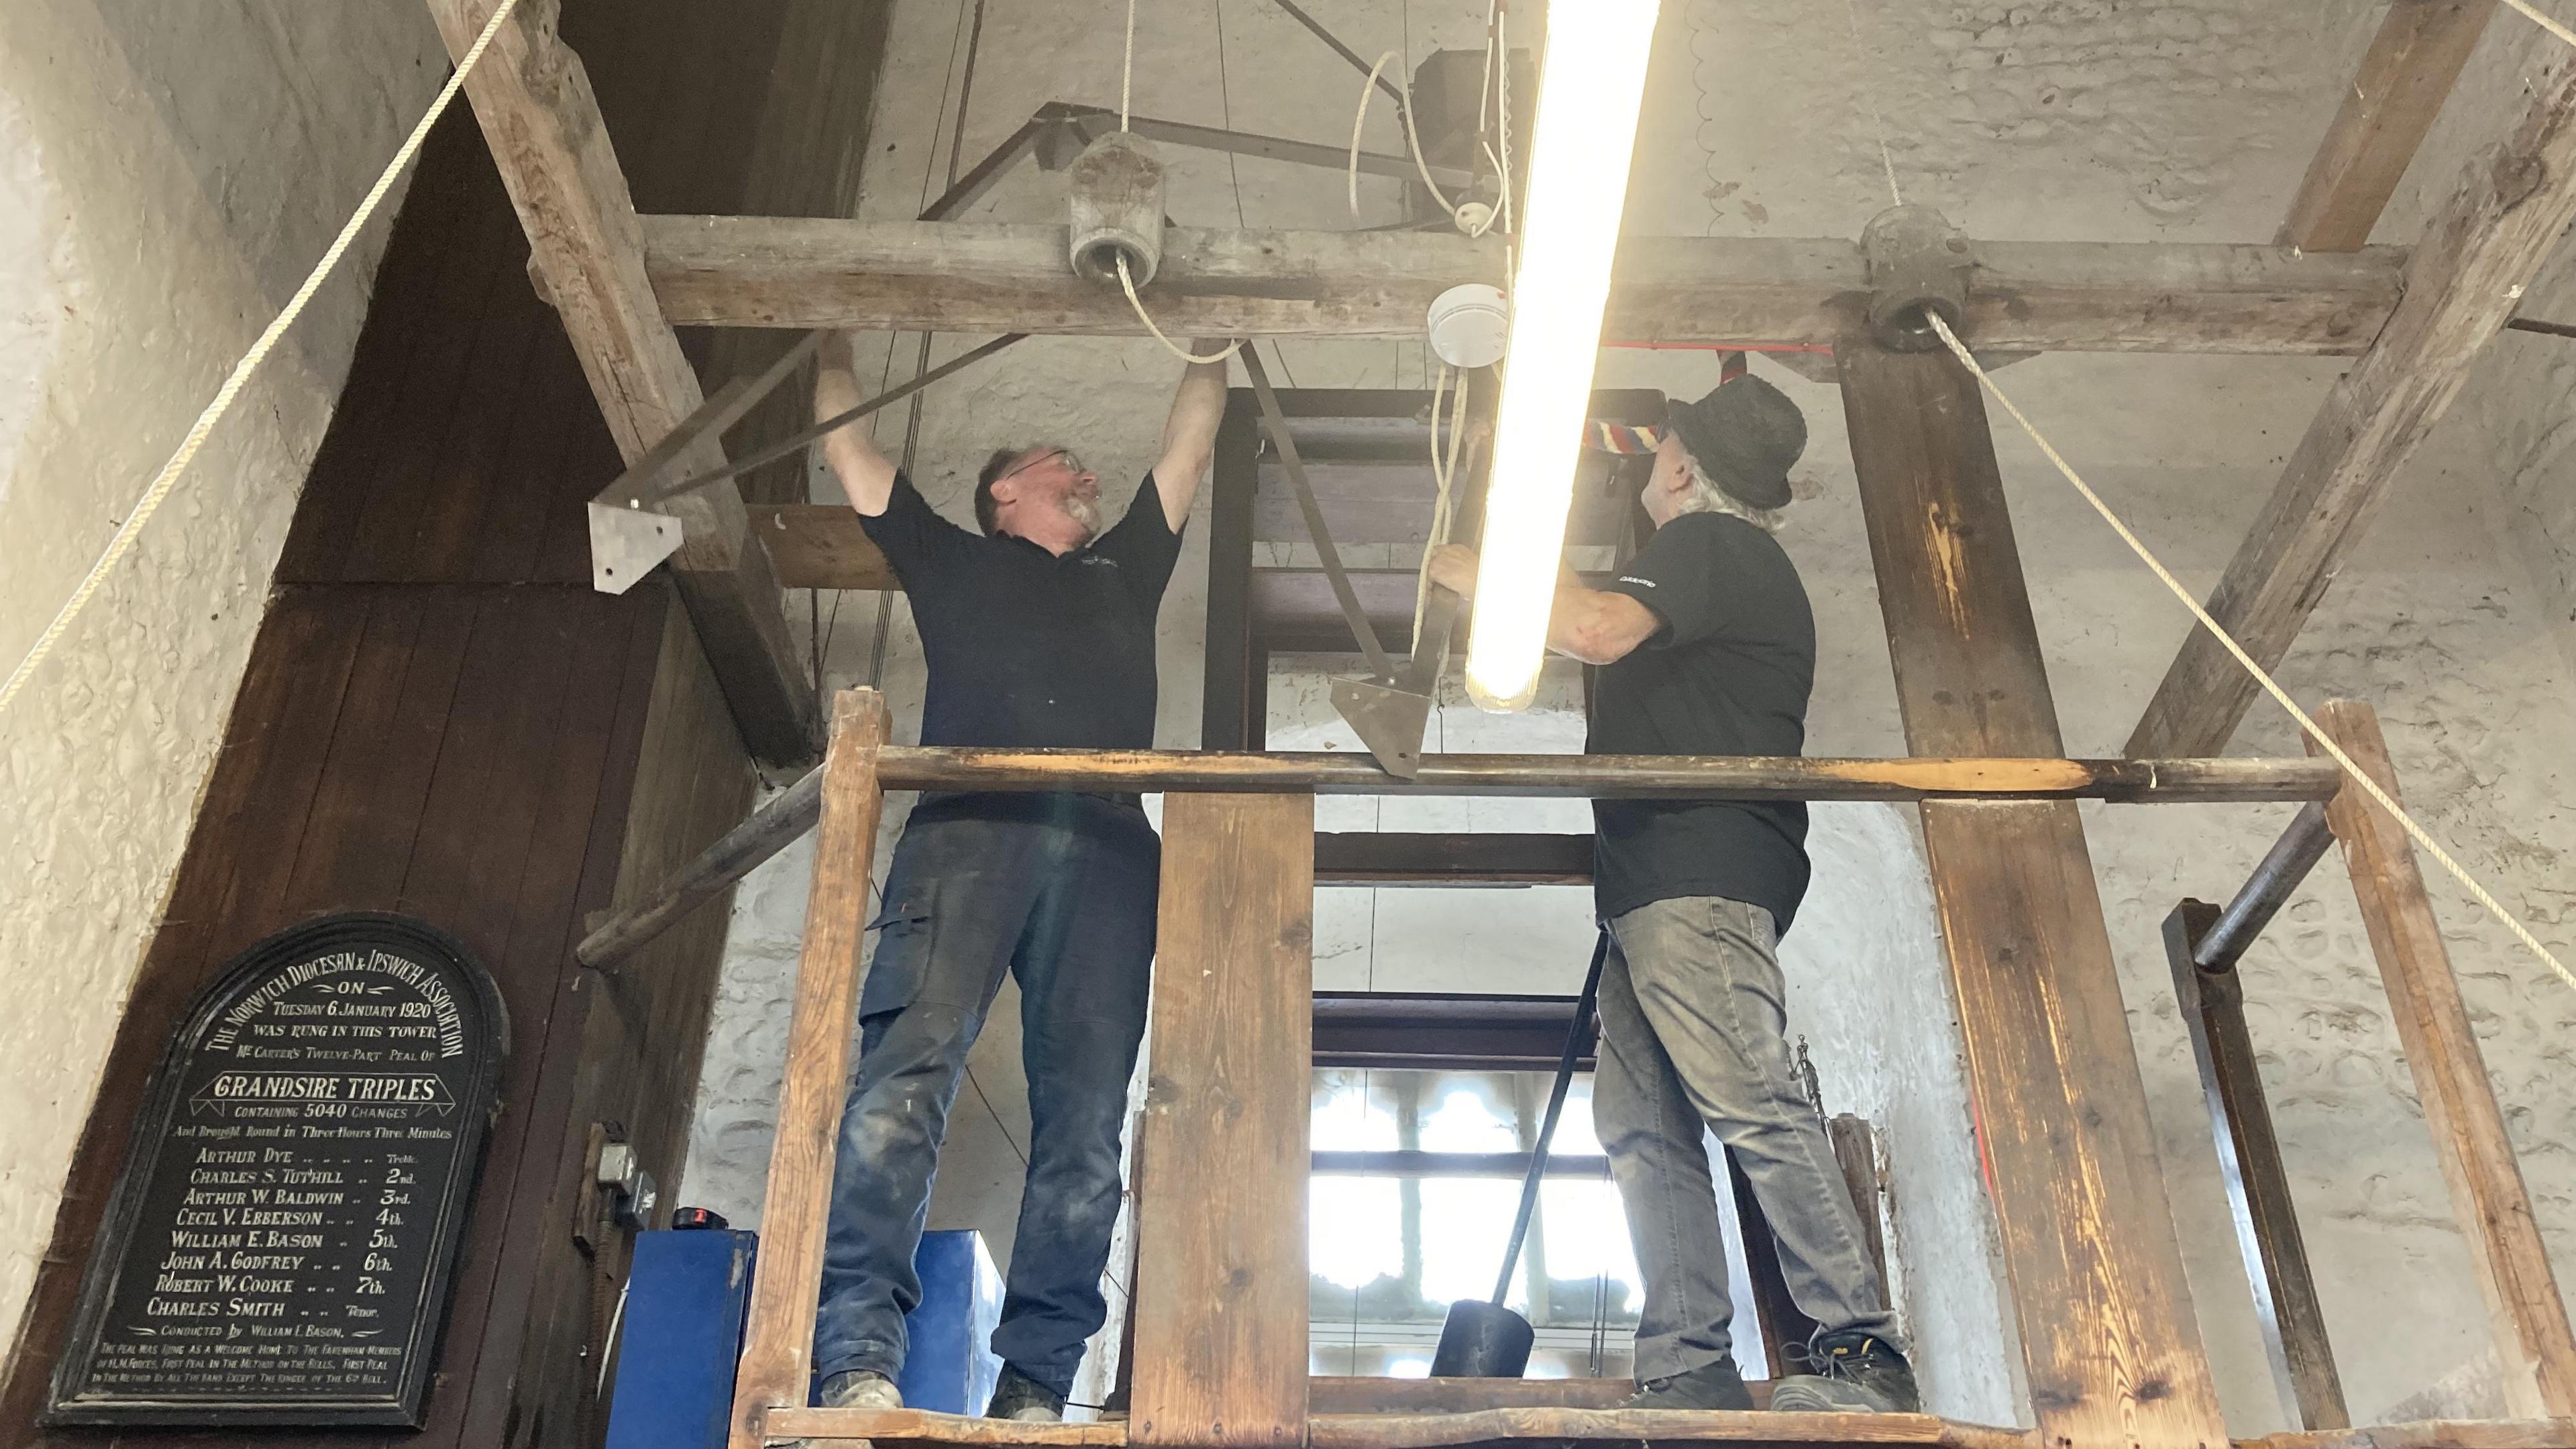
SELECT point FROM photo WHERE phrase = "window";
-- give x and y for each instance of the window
(1393, 1241)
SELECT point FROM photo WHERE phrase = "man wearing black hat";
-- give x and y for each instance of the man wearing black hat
(1707, 647)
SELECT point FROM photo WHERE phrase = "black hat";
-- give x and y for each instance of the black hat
(1746, 435)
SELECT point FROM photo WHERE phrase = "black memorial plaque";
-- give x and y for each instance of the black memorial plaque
(281, 1241)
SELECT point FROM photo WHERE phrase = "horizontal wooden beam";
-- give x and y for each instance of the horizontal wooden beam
(733, 271)
(1398, 858)
(820, 546)
(1614, 777)
(1511, 1165)
(1523, 1413)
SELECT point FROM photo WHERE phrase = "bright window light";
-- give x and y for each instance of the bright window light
(1590, 88)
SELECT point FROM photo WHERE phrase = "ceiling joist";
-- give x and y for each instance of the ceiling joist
(741, 271)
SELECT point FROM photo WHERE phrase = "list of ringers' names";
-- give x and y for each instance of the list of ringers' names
(293, 1212)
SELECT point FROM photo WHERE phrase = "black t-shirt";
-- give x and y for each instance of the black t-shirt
(1727, 674)
(1027, 649)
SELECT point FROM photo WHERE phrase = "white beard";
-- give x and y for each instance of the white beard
(1086, 512)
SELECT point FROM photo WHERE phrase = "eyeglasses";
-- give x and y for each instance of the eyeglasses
(1064, 455)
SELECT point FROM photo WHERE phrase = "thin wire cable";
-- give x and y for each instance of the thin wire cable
(2543, 21)
(1442, 477)
(2263, 677)
(1878, 121)
(153, 497)
(1413, 142)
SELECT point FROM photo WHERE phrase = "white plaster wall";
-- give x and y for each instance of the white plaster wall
(2079, 119)
(167, 174)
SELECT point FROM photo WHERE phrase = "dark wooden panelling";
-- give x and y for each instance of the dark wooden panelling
(440, 717)
(387, 753)
(466, 441)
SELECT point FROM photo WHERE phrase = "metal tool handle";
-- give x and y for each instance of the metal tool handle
(1555, 1107)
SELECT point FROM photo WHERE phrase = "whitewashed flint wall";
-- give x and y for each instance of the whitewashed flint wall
(167, 174)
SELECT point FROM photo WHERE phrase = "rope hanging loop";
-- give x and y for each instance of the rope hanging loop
(1918, 269)
(1116, 192)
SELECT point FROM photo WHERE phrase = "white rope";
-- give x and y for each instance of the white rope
(1127, 67)
(1442, 477)
(1877, 121)
(1501, 43)
(2263, 677)
(1127, 284)
(2543, 21)
(154, 496)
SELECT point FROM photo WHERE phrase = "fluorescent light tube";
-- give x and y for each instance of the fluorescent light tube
(1590, 88)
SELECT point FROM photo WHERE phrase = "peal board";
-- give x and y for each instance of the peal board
(280, 1244)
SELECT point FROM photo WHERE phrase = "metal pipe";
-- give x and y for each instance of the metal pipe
(2274, 881)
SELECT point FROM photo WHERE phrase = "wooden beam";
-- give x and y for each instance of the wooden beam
(2096, 1275)
(2408, 73)
(778, 1341)
(535, 103)
(2024, 296)
(2461, 285)
(2212, 999)
(2527, 1318)
(1613, 777)
(1394, 858)
(820, 546)
(1220, 1303)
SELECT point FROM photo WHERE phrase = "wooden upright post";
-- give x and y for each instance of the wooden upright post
(2096, 1273)
(778, 1343)
(1220, 1299)
(2534, 1346)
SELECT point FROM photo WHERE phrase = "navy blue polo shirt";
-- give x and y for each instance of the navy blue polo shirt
(1028, 649)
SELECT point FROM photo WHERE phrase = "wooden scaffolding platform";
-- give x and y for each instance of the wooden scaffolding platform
(2111, 1349)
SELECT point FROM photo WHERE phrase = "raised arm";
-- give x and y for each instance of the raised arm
(1584, 624)
(866, 474)
(1189, 437)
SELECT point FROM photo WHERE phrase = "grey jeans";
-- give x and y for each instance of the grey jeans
(1693, 1031)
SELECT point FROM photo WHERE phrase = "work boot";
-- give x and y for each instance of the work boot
(861, 1389)
(1715, 1385)
(1020, 1397)
(1854, 1374)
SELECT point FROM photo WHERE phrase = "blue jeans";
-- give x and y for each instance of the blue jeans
(1694, 1033)
(1060, 891)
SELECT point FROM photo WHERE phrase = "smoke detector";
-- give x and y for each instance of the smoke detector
(1469, 324)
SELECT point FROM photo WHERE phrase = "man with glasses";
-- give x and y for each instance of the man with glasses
(1038, 632)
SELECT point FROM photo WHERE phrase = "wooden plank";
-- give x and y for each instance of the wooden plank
(778, 1342)
(537, 109)
(1638, 1427)
(2526, 1316)
(1395, 858)
(1856, 1153)
(2096, 1275)
(2462, 283)
(1221, 1286)
(734, 271)
(1782, 1324)
(2212, 1000)
(1616, 777)
(819, 546)
(2407, 74)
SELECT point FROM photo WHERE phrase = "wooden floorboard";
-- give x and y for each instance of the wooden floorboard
(907, 1428)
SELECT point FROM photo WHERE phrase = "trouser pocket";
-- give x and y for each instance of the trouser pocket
(907, 929)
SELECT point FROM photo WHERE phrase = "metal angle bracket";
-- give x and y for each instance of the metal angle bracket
(628, 543)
